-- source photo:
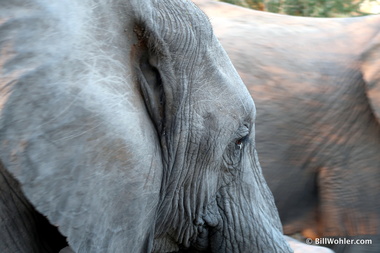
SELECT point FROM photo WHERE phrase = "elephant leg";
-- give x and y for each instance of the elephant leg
(347, 210)
(23, 229)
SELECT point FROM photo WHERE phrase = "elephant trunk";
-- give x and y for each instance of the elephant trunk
(248, 204)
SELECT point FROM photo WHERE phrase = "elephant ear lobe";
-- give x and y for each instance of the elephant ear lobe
(151, 83)
(371, 75)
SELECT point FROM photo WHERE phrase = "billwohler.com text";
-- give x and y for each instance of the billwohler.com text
(338, 241)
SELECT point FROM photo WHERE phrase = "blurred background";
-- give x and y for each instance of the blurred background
(313, 8)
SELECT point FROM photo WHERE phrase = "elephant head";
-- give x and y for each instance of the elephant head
(126, 125)
(316, 84)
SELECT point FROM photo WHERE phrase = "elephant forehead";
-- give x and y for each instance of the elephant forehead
(221, 89)
(183, 28)
(222, 103)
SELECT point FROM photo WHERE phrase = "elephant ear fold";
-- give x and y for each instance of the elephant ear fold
(371, 75)
(150, 80)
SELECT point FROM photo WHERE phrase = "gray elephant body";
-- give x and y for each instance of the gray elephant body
(316, 85)
(108, 128)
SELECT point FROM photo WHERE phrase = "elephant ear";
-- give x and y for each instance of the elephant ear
(74, 129)
(371, 74)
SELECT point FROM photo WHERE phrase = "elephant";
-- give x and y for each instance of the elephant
(124, 127)
(316, 86)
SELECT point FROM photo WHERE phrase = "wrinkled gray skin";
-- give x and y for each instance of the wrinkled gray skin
(316, 85)
(126, 125)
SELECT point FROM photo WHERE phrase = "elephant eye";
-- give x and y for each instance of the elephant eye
(239, 143)
(243, 134)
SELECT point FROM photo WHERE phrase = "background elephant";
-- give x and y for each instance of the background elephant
(316, 85)
(113, 126)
